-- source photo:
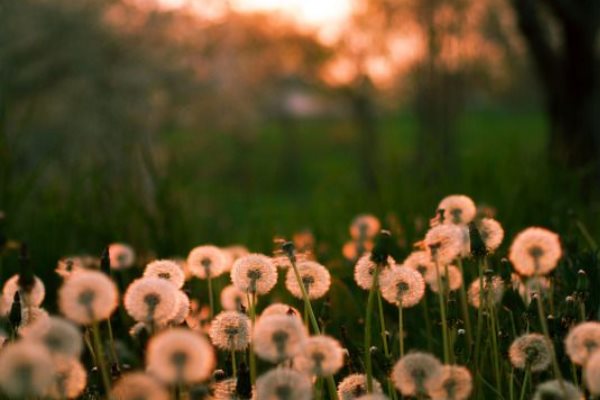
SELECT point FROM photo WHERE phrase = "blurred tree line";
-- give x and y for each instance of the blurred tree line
(90, 90)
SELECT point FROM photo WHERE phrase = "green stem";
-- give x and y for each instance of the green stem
(401, 330)
(306, 318)
(586, 234)
(210, 297)
(440, 293)
(525, 382)
(252, 311)
(465, 307)
(494, 323)
(233, 364)
(511, 385)
(386, 350)
(111, 339)
(317, 330)
(369, 317)
(100, 358)
(479, 333)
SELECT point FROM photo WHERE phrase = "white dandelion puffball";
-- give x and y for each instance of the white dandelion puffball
(355, 385)
(57, 335)
(151, 300)
(364, 226)
(321, 355)
(314, 276)
(138, 385)
(280, 309)
(452, 281)
(402, 286)
(283, 383)
(254, 273)
(68, 265)
(180, 356)
(29, 316)
(495, 291)
(591, 374)
(364, 269)
(167, 270)
(26, 370)
(121, 256)
(535, 251)
(230, 330)
(88, 296)
(373, 396)
(278, 337)
(232, 253)
(532, 351)
(182, 309)
(69, 378)
(419, 260)
(445, 243)
(554, 390)
(454, 382)
(233, 299)
(413, 372)
(207, 261)
(32, 298)
(491, 233)
(582, 341)
(458, 209)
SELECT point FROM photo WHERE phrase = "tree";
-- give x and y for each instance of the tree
(569, 72)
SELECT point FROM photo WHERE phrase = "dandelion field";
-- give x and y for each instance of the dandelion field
(467, 312)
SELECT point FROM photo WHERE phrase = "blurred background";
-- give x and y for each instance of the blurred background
(171, 123)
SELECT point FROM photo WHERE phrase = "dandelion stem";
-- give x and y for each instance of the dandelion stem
(494, 322)
(100, 358)
(111, 338)
(210, 297)
(401, 330)
(386, 350)
(525, 382)
(586, 235)
(252, 357)
(511, 385)
(233, 364)
(443, 313)
(368, 319)
(465, 307)
(313, 320)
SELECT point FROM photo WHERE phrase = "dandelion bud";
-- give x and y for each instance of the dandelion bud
(88, 296)
(532, 351)
(413, 372)
(278, 337)
(355, 385)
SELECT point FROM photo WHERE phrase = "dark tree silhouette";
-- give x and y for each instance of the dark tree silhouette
(569, 72)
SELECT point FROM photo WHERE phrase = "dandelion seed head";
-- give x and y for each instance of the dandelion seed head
(364, 226)
(230, 330)
(402, 286)
(458, 209)
(591, 374)
(280, 309)
(29, 316)
(56, 334)
(364, 269)
(553, 390)
(530, 286)
(226, 389)
(32, 297)
(167, 270)
(232, 253)
(139, 386)
(233, 299)
(355, 385)
(454, 382)
(495, 290)
(180, 355)
(88, 296)
(320, 355)
(419, 260)
(151, 300)
(68, 265)
(531, 350)
(278, 337)
(69, 378)
(413, 372)
(121, 256)
(182, 308)
(491, 233)
(254, 273)
(582, 341)
(453, 280)
(207, 261)
(444, 243)
(535, 251)
(283, 384)
(26, 369)
(353, 249)
(315, 277)
(373, 396)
